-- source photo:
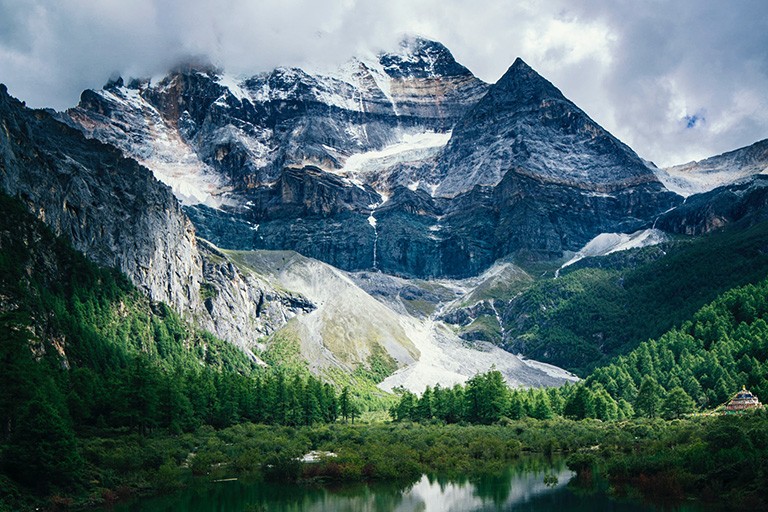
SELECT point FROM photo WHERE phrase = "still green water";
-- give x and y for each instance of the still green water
(527, 486)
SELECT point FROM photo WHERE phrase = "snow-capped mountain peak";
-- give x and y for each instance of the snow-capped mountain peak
(450, 162)
(421, 58)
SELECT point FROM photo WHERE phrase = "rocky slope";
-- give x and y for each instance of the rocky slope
(115, 212)
(402, 162)
(524, 124)
(719, 191)
(744, 201)
(717, 171)
(350, 327)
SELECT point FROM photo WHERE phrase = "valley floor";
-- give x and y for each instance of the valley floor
(714, 459)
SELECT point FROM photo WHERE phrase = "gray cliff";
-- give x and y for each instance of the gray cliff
(115, 212)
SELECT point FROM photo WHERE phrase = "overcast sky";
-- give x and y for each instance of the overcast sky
(676, 80)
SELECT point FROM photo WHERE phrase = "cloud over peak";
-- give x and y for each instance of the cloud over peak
(644, 70)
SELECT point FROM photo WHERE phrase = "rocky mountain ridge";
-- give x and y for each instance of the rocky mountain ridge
(115, 212)
(404, 162)
(716, 171)
(720, 190)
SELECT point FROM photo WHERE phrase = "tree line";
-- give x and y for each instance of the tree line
(83, 352)
(696, 367)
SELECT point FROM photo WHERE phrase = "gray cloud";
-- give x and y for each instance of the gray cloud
(641, 69)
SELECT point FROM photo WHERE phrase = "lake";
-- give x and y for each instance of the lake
(530, 485)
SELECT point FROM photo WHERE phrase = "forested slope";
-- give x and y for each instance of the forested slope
(606, 306)
(83, 352)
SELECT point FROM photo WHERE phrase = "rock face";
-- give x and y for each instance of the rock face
(108, 206)
(723, 189)
(403, 162)
(241, 306)
(244, 132)
(525, 125)
(745, 201)
(115, 212)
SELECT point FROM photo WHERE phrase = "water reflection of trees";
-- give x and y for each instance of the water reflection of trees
(522, 480)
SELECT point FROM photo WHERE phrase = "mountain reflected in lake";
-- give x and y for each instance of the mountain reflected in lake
(532, 484)
(498, 492)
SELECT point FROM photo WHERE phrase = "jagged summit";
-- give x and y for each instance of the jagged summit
(421, 58)
(331, 164)
(524, 124)
(521, 84)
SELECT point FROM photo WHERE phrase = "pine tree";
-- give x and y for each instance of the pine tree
(18, 372)
(648, 398)
(43, 451)
(677, 403)
(345, 405)
(542, 409)
(404, 410)
(423, 411)
(330, 404)
(581, 404)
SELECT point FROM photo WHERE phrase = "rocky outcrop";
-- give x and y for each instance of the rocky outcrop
(240, 305)
(745, 202)
(717, 171)
(108, 206)
(115, 212)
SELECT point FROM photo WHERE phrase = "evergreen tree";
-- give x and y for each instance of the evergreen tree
(311, 401)
(677, 403)
(516, 409)
(43, 451)
(345, 404)
(606, 407)
(404, 410)
(423, 410)
(581, 404)
(18, 372)
(648, 398)
(542, 409)
(330, 404)
(139, 407)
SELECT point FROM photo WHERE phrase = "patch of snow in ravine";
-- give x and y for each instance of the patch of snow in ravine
(607, 243)
(411, 147)
(170, 159)
(233, 84)
(699, 177)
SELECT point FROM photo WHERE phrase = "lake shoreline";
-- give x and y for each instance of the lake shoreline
(674, 460)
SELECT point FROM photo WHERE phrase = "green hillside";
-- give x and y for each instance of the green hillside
(84, 353)
(604, 307)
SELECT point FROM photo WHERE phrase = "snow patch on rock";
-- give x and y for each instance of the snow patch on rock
(161, 149)
(410, 147)
(232, 83)
(717, 171)
(607, 243)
